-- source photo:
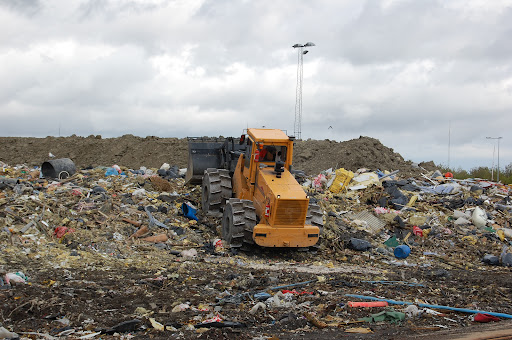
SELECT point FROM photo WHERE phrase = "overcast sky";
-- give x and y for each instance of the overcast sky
(430, 79)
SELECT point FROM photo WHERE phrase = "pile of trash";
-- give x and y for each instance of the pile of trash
(414, 213)
(398, 255)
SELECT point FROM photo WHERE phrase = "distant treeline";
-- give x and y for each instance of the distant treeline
(483, 172)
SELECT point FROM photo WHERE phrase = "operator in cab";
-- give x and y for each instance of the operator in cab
(270, 154)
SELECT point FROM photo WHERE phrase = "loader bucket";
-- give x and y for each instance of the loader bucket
(203, 153)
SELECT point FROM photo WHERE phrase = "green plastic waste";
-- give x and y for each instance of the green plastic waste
(489, 229)
(391, 242)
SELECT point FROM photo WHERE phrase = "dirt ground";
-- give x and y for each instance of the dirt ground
(312, 156)
(98, 282)
(100, 293)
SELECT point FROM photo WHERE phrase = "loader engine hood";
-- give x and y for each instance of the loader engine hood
(284, 201)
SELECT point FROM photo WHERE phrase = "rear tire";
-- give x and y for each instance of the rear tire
(239, 217)
(216, 189)
(315, 217)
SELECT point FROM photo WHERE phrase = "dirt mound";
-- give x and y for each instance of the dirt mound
(128, 150)
(312, 156)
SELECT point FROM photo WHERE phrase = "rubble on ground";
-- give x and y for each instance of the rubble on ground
(111, 251)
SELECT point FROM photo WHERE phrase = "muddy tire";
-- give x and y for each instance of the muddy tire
(239, 217)
(216, 189)
(315, 217)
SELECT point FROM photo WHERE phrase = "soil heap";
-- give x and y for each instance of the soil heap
(312, 156)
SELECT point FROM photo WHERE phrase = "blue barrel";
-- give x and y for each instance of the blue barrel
(401, 252)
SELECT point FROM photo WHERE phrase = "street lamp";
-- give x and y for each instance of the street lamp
(298, 91)
(498, 138)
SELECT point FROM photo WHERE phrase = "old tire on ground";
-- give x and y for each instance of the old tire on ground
(216, 189)
(238, 218)
(315, 217)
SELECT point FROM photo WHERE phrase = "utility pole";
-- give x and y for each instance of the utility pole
(449, 141)
(498, 170)
(297, 126)
(492, 169)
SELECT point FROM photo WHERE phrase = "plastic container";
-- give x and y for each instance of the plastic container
(58, 168)
(343, 178)
(401, 252)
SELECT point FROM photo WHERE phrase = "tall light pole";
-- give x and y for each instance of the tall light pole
(449, 141)
(297, 126)
(498, 138)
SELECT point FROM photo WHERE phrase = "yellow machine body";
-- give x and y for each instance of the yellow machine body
(279, 200)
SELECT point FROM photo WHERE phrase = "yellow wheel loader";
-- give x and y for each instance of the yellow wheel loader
(251, 182)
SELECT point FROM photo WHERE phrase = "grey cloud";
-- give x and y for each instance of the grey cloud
(412, 30)
(25, 7)
(111, 9)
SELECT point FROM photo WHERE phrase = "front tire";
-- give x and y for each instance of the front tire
(239, 217)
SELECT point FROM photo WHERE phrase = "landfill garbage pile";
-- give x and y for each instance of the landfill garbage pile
(117, 252)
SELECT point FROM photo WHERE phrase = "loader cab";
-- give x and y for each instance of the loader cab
(264, 154)
(264, 148)
(273, 153)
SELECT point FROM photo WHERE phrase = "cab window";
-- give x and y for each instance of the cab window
(281, 153)
(272, 153)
